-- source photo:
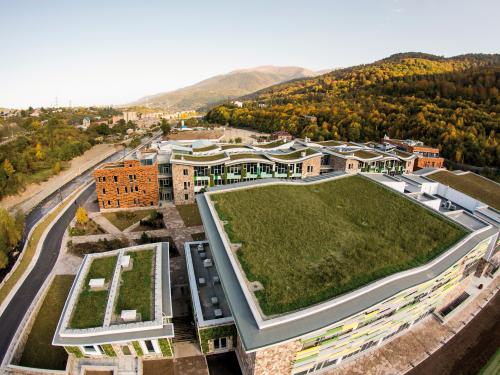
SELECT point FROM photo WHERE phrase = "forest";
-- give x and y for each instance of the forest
(452, 103)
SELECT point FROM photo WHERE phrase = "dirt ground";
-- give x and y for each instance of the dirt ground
(90, 157)
(245, 135)
(470, 349)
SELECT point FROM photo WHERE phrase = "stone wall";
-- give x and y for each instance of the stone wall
(136, 185)
(276, 359)
(179, 188)
(246, 360)
(315, 163)
(344, 165)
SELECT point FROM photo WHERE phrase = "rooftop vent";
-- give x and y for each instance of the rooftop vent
(218, 313)
(129, 315)
(200, 247)
(96, 284)
(125, 261)
(207, 263)
(202, 281)
(216, 279)
(214, 300)
(303, 154)
(203, 255)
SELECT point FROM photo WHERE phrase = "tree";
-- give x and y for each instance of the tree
(8, 168)
(237, 140)
(81, 216)
(11, 231)
(39, 152)
(165, 127)
(56, 168)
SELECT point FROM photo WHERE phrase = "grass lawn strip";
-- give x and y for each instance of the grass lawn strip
(334, 237)
(471, 184)
(30, 250)
(91, 305)
(39, 351)
(123, 219)
(190, 214)
(136, 287)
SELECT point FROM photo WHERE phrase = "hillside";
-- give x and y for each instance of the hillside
(221, 87)
(452, 103)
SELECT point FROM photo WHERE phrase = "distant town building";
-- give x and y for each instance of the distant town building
(238, 103)
(116, 118)
(130, 116)
(281, 135)
(85, 123)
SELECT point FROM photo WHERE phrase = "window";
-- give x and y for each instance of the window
(99, 179)
(186, 185)
(109, 203)
(235, 169)
(118, 202)
(310, 168)
(115, 178)
(135, 177)
(186, 197)
(126, 189)
(149, 346)
(217, 170)
(130, 177)
(185, 172)
(164, 168)
(220, 343)
(104, 179)
(104, 191)
(201, 182)
(151, 204)
(136, 188)
(117, 190)
(92, 349)
(281, 168)
(149, 179)
(200, 171)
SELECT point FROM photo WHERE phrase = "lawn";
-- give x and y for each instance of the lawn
(471, 184)
(123, 219)
(333, 237)
(190, 214)
(91, 305)
(90, 228)
(39, 351)
(136, 288)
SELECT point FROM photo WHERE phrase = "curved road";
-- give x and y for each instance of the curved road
(17, 307)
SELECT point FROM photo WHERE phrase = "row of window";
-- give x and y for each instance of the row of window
(110, 205)
(147, 346)
(251, 168)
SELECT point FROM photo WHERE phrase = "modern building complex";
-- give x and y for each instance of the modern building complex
(304, 318)
(427, 157)
(112, 310)
(176, 170)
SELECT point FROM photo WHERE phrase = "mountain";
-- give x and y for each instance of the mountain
(224, 86)
(452, 103)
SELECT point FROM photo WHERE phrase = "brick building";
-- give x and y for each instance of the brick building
(127, 184)
(427, 157)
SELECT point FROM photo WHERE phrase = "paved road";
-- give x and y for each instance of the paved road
(470, 349)
(15, 311)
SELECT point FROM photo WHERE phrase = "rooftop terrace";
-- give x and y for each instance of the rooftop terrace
(336, 236)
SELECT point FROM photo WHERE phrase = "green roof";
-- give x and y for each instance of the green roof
(207, 148)
(270, 145)
(200, 158)
(330, 143)
(294, 155)
(365, 154)
(91, 305)
(229, 146)
(476, 186)
(136, 287)
(247, 156)
(336, 236)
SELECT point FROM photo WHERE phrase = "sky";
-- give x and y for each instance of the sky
(113, 52)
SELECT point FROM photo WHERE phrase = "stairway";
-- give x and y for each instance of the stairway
(184, 329)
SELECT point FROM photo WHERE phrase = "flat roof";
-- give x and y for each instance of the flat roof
(188, 135)
(202, 293)
(113, 329)
(254, 337)
(476, 186)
